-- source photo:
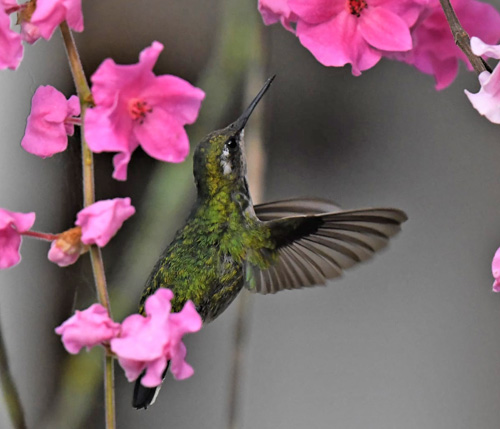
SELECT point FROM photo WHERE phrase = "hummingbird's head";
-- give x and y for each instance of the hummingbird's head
(219, 159)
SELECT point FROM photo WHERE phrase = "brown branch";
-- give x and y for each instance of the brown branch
(462, 39)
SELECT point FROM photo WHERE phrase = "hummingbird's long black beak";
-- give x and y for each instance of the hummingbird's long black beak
(240, 123)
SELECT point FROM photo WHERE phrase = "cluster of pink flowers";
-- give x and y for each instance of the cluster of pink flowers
(139, 343)
(132, 107)
(361, 32)
(96, 224)
(38, 19)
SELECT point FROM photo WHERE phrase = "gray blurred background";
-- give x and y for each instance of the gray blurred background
(408, 340)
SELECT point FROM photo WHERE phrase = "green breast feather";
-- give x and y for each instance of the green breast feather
(205, 262)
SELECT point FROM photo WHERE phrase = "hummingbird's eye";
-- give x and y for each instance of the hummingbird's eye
(232, 143)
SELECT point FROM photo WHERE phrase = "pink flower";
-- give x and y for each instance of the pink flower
(487, 100)
(11, 49)
(87, 328)
(435, 51)
(50, 13)
(134, 107)
(495, 270)
(148, 343)
(359, 32)
(101, 220)
(273, 11)
(50, 122)
(66, 249)
(12, 224)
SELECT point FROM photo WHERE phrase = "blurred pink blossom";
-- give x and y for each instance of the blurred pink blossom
(50, 13)
(274, 11)
(11, 49)
(87, 328)
(102, 220)
(49, 122)
(356, 32)
(134, 107)
(495, 270)
(12, 224)
(487, 100)
(435, 51)
(148, 343)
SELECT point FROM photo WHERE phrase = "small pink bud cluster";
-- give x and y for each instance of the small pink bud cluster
(140, 343)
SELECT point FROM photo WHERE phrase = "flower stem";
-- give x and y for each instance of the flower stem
(40, 235)
(85, 96)
(462, 39)
(9, 389)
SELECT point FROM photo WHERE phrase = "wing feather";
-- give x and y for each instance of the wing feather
(314, 246)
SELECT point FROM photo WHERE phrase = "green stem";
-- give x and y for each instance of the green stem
(85, 97)
(9, 389)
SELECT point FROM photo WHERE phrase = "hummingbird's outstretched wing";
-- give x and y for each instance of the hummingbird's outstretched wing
(314, 247)
(294, 207)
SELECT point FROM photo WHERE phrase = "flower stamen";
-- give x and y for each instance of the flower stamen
(354, 7)
(138, 109)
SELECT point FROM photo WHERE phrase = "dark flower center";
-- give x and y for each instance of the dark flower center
(138, 109)
(356, 6)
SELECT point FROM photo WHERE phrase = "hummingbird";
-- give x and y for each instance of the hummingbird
(228, 244)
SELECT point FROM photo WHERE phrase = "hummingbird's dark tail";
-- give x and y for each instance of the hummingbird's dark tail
(145, 396)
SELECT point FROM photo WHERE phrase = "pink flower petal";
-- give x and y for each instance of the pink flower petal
(11, 49)
(273, 11)
(480, 48)
(495, 270)
(87, 328)
(102, 220)
(60, 257)
(29, 32)
(185, 321)
(179, 368)
(384, 30)
(50, 13)
(176, 97)
(162, 137)
(11, 225)
(46, 131)
(133, 368)
(154, 372)
(338, 42)
(316, 11)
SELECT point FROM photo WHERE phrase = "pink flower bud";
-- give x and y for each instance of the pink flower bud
(101, 220)
(87, 328)
(67, 248)
(46, 129)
